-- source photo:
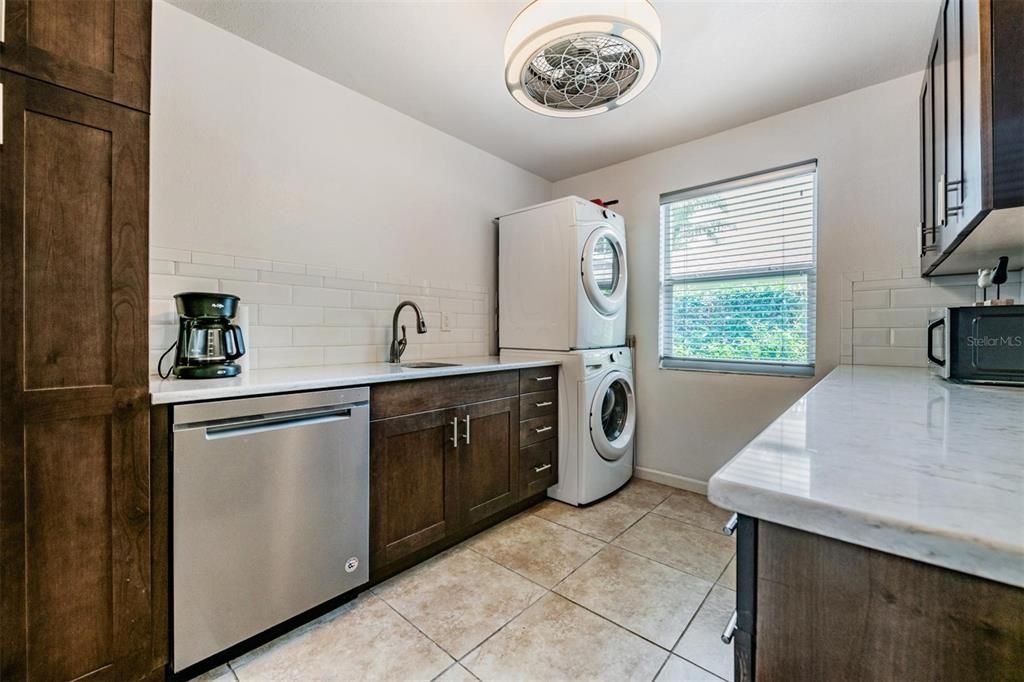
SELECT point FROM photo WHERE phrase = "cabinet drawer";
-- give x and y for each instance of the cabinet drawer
(538, 467)
(538, 404)
(538, 379)
(537, 429)
(422, 395)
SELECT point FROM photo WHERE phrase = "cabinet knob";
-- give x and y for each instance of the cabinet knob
(543, 378)
(546, 403)
(542, 467)
(543, 429)
(730, 526)
(730, 629)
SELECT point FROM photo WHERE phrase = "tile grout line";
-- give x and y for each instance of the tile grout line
(416, 627)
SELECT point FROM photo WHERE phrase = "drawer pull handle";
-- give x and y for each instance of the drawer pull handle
(730, 629)
(548, 378)
(546, 403)
(455, 431)
(543, 429)
(730, 526)
(542, 467)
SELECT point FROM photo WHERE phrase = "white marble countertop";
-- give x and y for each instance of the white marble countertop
(895, 460)
(268, 381)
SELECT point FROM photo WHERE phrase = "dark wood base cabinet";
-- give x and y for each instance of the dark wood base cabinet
(823, 609)
(445, 461)
(77, 567)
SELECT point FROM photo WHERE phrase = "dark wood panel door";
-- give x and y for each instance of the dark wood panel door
(75, 560)
(98, 47)
(829, 610)
(487, 458)
(411, 499)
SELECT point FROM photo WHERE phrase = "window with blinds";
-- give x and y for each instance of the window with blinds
(738, 274)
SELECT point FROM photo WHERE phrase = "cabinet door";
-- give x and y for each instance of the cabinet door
(952, 26)
(488, 458)
(937, 68)
(411, 501)
(75, 571)
(927, 173)
(99, 47)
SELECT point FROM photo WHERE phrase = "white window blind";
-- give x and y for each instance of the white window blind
(738, 274)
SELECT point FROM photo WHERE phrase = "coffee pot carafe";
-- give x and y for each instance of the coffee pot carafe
(208, 343)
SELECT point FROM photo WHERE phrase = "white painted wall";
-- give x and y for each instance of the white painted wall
(255, 156)
(691, 423)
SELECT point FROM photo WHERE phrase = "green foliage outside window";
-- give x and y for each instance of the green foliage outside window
(754, 319)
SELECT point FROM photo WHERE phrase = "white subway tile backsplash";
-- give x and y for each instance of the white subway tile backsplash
(914, 337)
(934, 296)
(882, 274)
(900, 357)
(351, 284)
(259, 292)
(471, 320)
(294, 268)
(166, 286)
(370, 336)
(334, 298)
(161, 267)
(253, 263)
(296, 316)
(368, 299)
(270, 358)
(162, 311)
(299, 315)
(891, 317)
(885, 313)
(913, 283)
(871, 299)
(291, 278)
(177, 255)
(870, 337)
(321, 336)
(218, 271)
(349, 318)
(271, 336)
(347, 355)
(212, 259)
(456, 305)
(318, 271)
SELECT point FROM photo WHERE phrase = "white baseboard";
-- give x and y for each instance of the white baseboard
(673, 480)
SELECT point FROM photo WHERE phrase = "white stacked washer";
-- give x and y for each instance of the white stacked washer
(562, 283)
(562, 277)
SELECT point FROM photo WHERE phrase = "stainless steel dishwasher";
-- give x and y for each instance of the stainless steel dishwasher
(270, 507)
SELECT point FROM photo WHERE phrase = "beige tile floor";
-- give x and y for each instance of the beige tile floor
(636, 587)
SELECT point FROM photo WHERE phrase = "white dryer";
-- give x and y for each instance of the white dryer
(562, 277)
(596, 421)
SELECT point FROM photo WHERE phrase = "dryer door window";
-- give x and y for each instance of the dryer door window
(604, 270)
(613, 416)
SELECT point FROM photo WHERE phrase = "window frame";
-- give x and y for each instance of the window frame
(733, 365)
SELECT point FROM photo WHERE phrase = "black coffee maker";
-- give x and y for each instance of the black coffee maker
(208, 344)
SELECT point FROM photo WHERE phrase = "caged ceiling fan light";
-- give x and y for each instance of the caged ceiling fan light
(569, 58)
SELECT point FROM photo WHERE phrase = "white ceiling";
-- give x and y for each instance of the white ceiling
(724, 64)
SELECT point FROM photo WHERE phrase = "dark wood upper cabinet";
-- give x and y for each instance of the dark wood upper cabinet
(97, 47)
(75, 559)
(972, 138)
(488, 458)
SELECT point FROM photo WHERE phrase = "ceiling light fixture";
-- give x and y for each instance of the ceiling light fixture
(569, 59)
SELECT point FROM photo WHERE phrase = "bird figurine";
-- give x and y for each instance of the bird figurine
(997, 276)
(985, 276)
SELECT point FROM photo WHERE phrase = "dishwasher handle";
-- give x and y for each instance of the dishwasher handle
(270, 423)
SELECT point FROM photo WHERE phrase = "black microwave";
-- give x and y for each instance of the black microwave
(978, 345)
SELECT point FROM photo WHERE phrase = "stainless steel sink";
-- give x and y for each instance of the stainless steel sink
(425, 365)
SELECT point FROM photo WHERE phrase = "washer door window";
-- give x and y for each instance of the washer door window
(613, 416)
(604, 270)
